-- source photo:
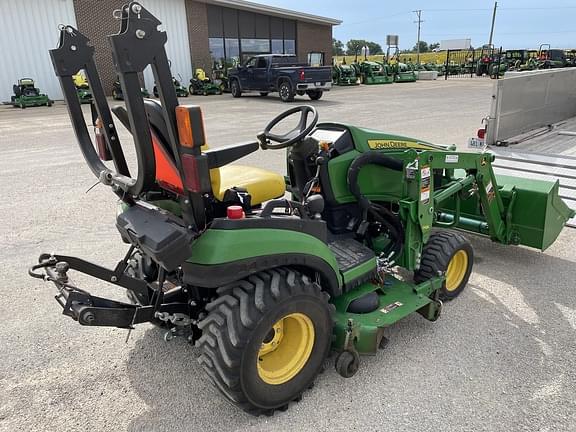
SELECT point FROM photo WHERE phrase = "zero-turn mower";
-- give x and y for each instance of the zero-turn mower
(117, 91)
(82, 88)
(202, 85)
(180, 90)
(26, 94)
(267, 286)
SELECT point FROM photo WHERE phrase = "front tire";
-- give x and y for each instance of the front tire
(447, 253)
(235, 89)
(266, 338)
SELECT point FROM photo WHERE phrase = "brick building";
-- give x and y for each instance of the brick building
(201, 34)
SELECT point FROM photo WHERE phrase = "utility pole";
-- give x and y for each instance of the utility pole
(419, 14)
(493, 21)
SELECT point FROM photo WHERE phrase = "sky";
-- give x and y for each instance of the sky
(519, 24)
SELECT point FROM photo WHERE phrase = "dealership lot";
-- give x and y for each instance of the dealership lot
(500, 358)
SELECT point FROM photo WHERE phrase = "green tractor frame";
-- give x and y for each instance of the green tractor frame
(265, 285)
(26, 94)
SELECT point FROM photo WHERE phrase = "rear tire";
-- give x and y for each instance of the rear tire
(286, 91)
(235, 89)
(315, 94)
(448, 253)
(266, 338)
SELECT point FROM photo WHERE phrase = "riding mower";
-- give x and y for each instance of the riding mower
(180, 90)
(82, 88)
(27, 95)
(117, 91)
(265, 285)
(344, 75)
(202, 85)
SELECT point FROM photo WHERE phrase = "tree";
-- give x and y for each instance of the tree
(354, 46)
(374, 48)
(423, 47)
(433, 46)
(337, 47)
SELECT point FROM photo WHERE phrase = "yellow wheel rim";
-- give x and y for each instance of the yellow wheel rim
(456, 270)
(286, 349)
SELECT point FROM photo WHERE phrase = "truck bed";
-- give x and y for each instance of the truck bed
(547, 153)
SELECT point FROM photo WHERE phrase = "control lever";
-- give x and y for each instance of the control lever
(314, 181)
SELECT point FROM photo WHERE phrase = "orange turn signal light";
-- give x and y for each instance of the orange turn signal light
(184, 123)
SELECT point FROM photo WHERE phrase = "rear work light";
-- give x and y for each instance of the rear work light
(482, 133)
(302, 75)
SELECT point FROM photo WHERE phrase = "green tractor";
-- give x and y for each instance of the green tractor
(267, 285)
(202, 85)
(371, 72)
(26, 94)
(403, 73)
(344, 75)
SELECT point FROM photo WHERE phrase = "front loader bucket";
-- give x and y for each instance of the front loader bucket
(536, 211)
(545, 197)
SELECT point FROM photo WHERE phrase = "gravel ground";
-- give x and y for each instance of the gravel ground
(500, 358)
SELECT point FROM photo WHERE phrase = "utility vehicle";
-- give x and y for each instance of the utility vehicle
(267, 286)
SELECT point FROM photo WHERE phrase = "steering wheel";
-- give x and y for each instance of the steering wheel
(292, 137)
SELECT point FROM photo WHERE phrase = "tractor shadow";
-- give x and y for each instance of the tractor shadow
(508, 326)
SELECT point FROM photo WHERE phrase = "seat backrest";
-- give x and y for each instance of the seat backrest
(165, 158)
(200, 74)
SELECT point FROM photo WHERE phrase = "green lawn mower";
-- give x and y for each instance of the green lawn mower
(267, 286)
(82, 88)
(117, 91)
(202, 85)
(26, 94)
(344, 75)
(180, 90)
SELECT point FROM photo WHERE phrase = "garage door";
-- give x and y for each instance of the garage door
(172, 13)
(28, 29)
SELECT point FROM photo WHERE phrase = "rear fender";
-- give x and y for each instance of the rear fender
(222, 256)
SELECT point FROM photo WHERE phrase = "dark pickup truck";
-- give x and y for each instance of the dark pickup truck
(280, 73)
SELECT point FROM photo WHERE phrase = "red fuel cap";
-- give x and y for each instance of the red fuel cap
(235, 212)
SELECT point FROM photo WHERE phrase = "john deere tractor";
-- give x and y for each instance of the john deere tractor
(373, 73)
(26, 95)
(345, 75)
(266, 284)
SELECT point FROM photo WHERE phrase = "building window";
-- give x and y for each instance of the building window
(290, 46)
(216, 46)
(277, 46)
(255, 46)
(232, 52)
